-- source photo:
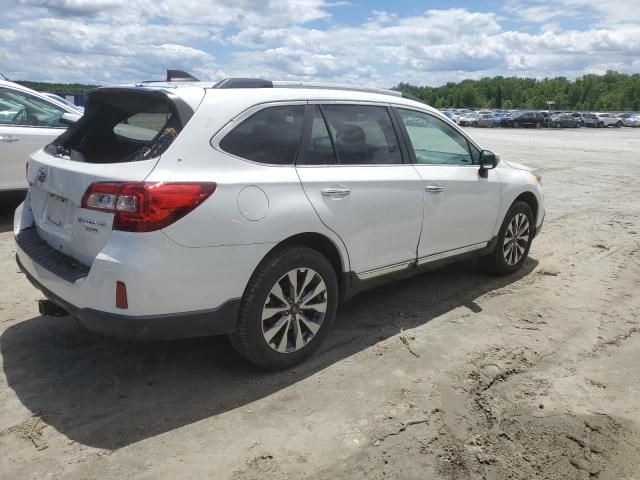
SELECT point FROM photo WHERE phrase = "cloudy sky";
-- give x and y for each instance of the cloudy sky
(368, 42)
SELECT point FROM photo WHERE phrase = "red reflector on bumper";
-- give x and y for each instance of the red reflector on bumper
(121, 295)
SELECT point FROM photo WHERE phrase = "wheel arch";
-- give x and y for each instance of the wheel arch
(322, 244)
(531, 200)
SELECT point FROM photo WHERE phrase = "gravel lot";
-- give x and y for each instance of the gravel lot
(536, 375)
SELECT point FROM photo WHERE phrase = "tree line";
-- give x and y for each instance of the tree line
(69, 88)
(612, 91)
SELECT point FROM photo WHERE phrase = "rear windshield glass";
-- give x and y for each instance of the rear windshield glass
(121, 126)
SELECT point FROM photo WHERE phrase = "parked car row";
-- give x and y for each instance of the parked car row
(541, 119)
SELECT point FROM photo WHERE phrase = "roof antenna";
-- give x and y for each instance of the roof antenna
(180, 76)
(4, 78)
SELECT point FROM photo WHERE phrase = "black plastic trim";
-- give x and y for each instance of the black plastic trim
(200, 323)
(180, 76)
(49, 258)
(357, 285)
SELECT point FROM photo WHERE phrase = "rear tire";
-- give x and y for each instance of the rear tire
(618, 125)
(514, 241)
(287, 308)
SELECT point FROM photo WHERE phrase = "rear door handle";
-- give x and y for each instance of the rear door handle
(434, 188)
(8, 138)
(335, 192)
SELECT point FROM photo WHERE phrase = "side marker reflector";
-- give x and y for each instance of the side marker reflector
(121, 295)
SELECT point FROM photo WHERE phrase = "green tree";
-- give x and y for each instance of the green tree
(611, 91)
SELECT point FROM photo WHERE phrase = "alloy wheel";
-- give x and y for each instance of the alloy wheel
(516, 239)
(294, 310)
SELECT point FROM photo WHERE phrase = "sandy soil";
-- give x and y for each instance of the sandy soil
(536, 375)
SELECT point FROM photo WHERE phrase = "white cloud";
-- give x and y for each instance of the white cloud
(601, 12)
(105, 41)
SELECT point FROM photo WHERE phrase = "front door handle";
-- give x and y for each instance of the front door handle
(434, 188)
(8, 138)
(335, 192)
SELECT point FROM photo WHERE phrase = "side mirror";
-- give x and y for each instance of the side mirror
(488, 160)
(69, 118)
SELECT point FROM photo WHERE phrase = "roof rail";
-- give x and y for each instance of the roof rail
(261, 83)
(180, 76)
(334, 86)
(243, 83)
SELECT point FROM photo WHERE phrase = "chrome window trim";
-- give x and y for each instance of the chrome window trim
(384, 270)
(449, 253)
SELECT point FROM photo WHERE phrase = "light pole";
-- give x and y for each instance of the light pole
(549, 103)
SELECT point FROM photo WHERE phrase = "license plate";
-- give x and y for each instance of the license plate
(56, 210)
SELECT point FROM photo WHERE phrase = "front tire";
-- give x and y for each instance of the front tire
(514, 241)
(287, 308)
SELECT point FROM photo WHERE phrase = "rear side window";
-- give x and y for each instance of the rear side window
(362, 134)
(271, 135)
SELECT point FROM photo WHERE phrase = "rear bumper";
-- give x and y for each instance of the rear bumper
(217, 321)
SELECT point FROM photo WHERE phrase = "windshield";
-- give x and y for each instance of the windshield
(21, 108)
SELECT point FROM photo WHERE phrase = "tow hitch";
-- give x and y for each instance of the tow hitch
(47, 307)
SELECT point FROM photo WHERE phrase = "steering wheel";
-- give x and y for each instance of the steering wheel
(20, 118)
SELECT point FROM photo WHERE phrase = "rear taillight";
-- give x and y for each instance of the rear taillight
(145, 206)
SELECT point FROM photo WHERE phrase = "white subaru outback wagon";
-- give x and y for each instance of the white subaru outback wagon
(252, 208)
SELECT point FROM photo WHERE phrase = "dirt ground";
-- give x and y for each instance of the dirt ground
(449, 375)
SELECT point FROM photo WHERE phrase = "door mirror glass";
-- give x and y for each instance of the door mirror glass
(488, 160)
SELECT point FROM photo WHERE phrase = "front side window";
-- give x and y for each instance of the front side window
(434, 142)
(271, 135)
(19, 108)
(362, 134)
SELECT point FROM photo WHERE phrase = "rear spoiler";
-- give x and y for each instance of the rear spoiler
(182, 108)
